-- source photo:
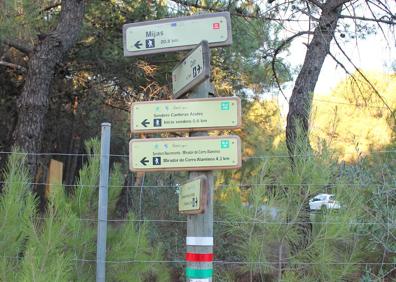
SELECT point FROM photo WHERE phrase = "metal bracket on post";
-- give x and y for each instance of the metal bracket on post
(211, 93)
(102, 203)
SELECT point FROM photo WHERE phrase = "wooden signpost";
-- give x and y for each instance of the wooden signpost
(176, 34)
(186, 115)
(199, 154)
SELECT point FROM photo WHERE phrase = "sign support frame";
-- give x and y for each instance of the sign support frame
(201, 225)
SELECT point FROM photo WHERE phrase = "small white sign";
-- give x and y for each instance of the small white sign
(193, 70)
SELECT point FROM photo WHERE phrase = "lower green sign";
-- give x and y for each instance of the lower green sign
(190, 153)
(192, 196)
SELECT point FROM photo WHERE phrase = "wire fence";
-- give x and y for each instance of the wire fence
(243, 157)
(242, 185)
(181, 261)
(237, 222)
(388, 223)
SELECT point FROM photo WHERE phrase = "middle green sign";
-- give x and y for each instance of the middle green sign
(185, 154)
(186, 115)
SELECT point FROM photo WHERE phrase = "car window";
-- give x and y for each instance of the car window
(316, 199)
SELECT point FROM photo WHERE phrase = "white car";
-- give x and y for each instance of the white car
(322, 201)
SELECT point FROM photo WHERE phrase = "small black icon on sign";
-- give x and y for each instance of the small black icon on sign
(144, 161)
(138, 44)
(150, 43)
(194, 202)
(196, 70)
(157, 122)
(156, 160)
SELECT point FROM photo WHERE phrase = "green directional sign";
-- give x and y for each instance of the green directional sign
(192, 70)
(186, 115)
(192, 196)
(193, 153)
(175, 34)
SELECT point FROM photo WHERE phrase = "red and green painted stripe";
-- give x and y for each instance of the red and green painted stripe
(191, 257)
(199, 273)
(193, 273)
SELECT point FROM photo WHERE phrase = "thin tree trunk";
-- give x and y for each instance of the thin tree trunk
(125, 201)
(72, 160)
(32, 105)
(301, 98)
(297, 129)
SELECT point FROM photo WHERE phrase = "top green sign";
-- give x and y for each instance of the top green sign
(175, 34)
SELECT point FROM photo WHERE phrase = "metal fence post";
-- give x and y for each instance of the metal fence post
(102, 203)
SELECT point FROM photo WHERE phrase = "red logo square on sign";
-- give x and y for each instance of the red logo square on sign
(216, 25)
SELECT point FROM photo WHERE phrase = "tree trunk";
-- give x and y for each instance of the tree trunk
(125, 200)
(297, 128)
(32, 105)
(72, 161)
(301, 99)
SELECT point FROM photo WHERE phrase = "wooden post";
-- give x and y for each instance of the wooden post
(199, 239)
(55, 176)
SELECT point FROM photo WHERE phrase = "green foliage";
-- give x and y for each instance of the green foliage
(354, 119)
(60, 244)
(16, 208)
(129, 242)
(263, 221)
(25, 19)
(115, 186)
(44, 258)
(261, 133)
(85, 203)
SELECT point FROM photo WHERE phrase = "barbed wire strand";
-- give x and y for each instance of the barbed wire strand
(217, 186)
(391, 224)
(179, 261)
(243, 157)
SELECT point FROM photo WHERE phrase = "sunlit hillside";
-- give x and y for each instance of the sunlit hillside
(355, 118)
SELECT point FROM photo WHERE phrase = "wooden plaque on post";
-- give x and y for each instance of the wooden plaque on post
(193, 195)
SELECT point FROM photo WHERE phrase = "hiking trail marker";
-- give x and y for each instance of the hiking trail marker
(185, 154)
(176, 34)
(192, 70)
(186, 115)
(199, 154)
(193, 196)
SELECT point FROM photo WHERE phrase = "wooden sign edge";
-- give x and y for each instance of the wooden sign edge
(237, 126)
(207, 168)
(202, 76)
(203, 196)
(224, 43)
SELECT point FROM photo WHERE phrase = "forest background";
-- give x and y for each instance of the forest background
(62, 73)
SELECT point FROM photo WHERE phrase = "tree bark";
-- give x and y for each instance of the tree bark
(297, 128)
(32, 105)
(301, 99)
